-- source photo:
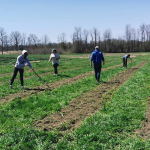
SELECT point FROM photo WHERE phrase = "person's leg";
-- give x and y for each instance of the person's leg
(98, 72)
(126, 63)
(123, 62)
(56, 65)
(21, 76)
(95, 70)
(55, 69)
(14, 75)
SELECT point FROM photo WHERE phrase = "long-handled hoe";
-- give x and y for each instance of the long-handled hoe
(42, 80)
(131, 64)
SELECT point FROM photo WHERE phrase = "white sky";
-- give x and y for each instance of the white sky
(54, 17)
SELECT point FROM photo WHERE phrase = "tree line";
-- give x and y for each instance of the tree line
(82, 41)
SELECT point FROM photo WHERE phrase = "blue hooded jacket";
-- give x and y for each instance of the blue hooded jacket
(97, 57)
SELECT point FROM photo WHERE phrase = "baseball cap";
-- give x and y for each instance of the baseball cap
(97, 47)
(53, 50)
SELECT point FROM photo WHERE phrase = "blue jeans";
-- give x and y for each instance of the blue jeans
(97, 69)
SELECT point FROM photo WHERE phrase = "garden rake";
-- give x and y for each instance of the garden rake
(42, 80)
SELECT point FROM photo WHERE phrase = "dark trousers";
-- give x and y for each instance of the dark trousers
(97, 69)
(15, 74)
(124, 62)
(55, 68)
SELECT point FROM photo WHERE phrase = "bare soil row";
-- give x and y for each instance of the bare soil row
(71, 117)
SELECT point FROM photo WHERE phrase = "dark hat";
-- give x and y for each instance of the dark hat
(53, 50)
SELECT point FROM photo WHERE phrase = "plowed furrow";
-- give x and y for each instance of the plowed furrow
(78, 109)
(42, 88)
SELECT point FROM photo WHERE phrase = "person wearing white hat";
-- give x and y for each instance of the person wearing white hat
(97, 58)
(22, 61)
(55, 60)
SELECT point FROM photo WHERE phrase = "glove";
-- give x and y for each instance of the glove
(32, 69)
(27, 64)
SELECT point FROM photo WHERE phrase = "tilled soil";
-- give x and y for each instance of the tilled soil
(71, 117)
(49, 86)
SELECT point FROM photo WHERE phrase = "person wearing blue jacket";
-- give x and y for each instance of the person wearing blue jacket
(97, 58)
(22, 61)
(124, 59)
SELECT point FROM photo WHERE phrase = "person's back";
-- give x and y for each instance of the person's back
(97, 57)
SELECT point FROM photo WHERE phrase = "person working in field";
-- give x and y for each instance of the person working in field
(125, 60)
(97, 58)
(22, 61)
(55, 60)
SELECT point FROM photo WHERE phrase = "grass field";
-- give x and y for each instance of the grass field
(71, 111)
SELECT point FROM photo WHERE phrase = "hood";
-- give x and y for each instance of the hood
(24, 51)
(96, 51)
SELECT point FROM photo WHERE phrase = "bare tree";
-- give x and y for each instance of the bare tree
(86, 34)
(107, 34)
(45, 39)
(99, 40)
(16, 38)
(23, 39)
(62, 41)
(128, 32)
(143, 33)
(2, 38)
(147, 29)
(34, 39)
(107, 38)
(77, 39)
(95, 32)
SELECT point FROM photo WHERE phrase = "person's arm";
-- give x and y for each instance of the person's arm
(103, 59)
(91, 64)
(50, 58)
(91, 60)
(29, 64)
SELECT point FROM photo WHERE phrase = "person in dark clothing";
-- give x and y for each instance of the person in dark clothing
(97, 58)
(124, 59)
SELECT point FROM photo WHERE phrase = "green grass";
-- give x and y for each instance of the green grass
(111, 128)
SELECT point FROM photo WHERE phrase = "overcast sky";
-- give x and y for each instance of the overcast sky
(54, 17)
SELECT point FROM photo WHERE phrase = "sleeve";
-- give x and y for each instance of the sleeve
(29, 63)
(102, 57)
(91, 57)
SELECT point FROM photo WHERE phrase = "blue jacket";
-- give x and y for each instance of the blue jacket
(97, 57)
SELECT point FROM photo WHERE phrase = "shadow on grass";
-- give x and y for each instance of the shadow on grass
(60, 75)
(38, 89)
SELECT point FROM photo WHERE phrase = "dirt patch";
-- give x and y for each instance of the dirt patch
(144, 132)
(11, 52)
(105, 54)
(42, 88)
(71, 117)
